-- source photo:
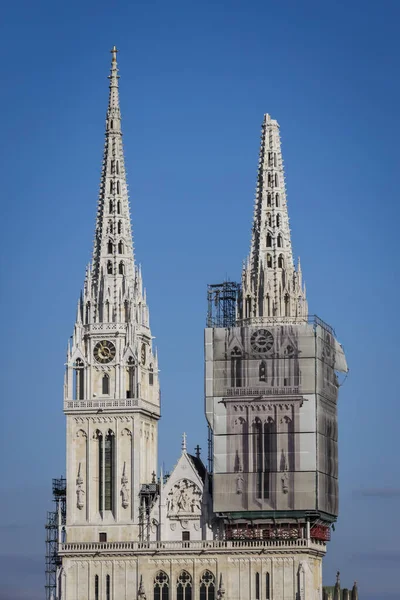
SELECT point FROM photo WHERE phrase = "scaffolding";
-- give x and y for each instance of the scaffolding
(223, 299)
(55, 519)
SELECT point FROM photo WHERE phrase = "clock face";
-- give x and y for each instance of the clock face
(262, 340)
(104, 351)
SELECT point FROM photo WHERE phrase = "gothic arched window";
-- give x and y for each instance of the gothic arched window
(269, 180)
(278, 220)
(277, 200)
(110, 247)
(287, 305)
(269, 240)
(96, 587)
(121, 268)
(275, 160)
(276, 179)
(111, 124)
(269, 200)
(119, 207)
(110, 226)
(267, 588)
(118, 187)
(79, 375)
(207, 586)
(268, 305)
(161, 586)
(279, 241)
(262, 371)
(120, 247)
(119, 226)
(269, 220)
(111, 187)
(111, 207)
(130, 378)
(108, 587)
(106, 384)
(109, 268)
(117, 166)
(106, 471)
(151, 375)
(184, 586)
(280, 261)
(257, 586)
(236, 367)
(269, 260)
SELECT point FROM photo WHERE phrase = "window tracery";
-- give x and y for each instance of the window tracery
(161, 586)
(184, 586)
(207, 586)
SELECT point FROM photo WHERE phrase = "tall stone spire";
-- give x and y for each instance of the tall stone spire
(113, 282)
(272, 288)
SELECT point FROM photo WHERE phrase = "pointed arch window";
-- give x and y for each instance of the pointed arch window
(269, 260)
(275, 160)
(269, 220)
(87, 315)
(109, 268)
(151, 375)
(111, 124)
(117, 166)
(121, 268)
(126, 311)
(207, 586)
(281, 261)
(79, 380)
(161, 586)
(276, 179)
(130, 378)
(119, 226)
(120, 247)
(269, 240)
(110, 227)
(277, 200)
(106, 471)
(96, 587)
(279, 241)
(111, 187)
(184, 586)
(278, 220)
(105, 384)
(269, 180)
(119, 207)
(269, 200)
(110, 247)
(236, 367)
(262, 371)
(111, 207)
(257, 586)
(108, 587)
(118, 188)
(267, 587)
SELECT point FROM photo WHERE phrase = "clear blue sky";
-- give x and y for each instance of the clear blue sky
(196, 79)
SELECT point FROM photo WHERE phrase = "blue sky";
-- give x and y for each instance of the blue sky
(196, 79)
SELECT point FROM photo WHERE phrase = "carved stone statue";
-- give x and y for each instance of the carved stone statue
(184, 499)
(80, 492)
(239, 482)
(141, 593)
(124, 489)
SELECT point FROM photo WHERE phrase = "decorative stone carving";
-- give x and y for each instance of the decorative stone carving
(184, 500)
(239, 482)
(221, 589)
(80, 492)
(141, 595)
(124, 489)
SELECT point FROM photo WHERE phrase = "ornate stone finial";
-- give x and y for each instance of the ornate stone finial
(221, 589)
(354, 592)
(114, 53)
(338, 578)
(153, 477)
(141, 593)
(336, 594)
(184, 441)
(197, 450)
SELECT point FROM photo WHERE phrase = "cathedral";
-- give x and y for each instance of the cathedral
(252, 524)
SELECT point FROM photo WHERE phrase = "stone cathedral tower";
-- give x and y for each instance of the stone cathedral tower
(254, 526)
(111, 392)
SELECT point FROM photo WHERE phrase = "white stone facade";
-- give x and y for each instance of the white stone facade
(128, 533)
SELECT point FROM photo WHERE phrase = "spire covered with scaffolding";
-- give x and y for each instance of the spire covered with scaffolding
(272, 287)
(113, 285)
